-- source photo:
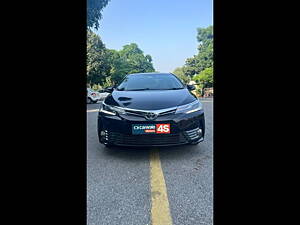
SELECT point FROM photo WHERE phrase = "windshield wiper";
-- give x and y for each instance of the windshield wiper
(143, 89)
(173, 88)
(140, 89)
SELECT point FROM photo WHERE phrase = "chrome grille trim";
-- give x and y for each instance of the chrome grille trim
(167, 112)
(158, 111)
(132, 112)
(141, 113)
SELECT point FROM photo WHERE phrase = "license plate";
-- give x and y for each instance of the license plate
(163, 128)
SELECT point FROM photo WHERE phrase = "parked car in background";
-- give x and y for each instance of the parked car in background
(93, 96)
(208, 92)
(103, 94)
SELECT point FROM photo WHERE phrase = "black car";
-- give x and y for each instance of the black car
(151, 109)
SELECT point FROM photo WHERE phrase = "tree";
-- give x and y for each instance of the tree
(191, 66)
(119, 66)
(109, 66)
(98, 66)
(205, 77)
(94, 8)
(135, 59)
(205, 35)
(204, 58)
(148, 58)
(180, 73)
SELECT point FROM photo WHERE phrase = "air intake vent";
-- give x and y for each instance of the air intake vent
(193, 134)
(146, 140)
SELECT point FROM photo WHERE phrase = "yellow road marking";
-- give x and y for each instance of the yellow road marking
(160, 212)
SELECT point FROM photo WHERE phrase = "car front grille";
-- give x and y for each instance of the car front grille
(146, 140)
(142, 113)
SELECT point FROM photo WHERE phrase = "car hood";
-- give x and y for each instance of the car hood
(150, 99)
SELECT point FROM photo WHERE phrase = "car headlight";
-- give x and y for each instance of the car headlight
(189, 108)
(111, 110)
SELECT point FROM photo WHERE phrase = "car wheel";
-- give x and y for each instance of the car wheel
(89, 101)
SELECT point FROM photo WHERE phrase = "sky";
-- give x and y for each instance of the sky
(164, 29)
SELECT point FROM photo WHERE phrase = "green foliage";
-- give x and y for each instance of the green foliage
(205, 35)
(129, 60)
(107, 67)
(148, 58)
(94, 8)
(180, 73)
(96, 87)
(191, 66)
(204, 58)
(135, 59)
(108, 82)
(98, 66)
(118, 66)
(205, 77)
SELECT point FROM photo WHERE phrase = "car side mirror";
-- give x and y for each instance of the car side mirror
(109, 89)
(190, 87)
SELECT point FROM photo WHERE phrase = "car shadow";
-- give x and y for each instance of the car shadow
(142, 153)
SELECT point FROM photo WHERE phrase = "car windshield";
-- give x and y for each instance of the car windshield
(140, 82)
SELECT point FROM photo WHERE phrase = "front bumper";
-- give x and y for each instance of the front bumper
(185, 129)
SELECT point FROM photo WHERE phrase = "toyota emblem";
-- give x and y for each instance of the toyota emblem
(150, 116)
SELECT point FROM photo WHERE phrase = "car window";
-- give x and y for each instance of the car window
(150, 82)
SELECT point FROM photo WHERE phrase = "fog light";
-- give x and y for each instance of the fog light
(104, 134)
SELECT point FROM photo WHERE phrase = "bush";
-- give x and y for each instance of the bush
(205, 77)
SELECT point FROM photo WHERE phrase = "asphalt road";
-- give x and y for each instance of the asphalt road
(118, 180)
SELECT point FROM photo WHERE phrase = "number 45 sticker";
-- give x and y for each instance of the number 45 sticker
(163, 128)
